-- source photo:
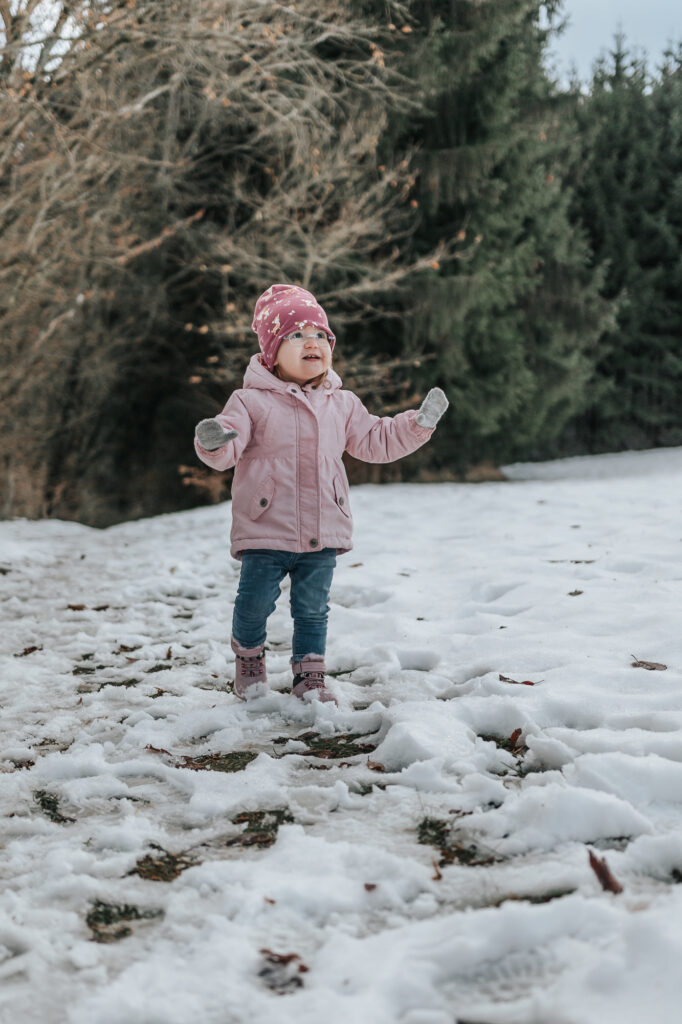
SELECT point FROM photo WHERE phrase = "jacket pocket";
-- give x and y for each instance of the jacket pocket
(262, 498)
(341, 496)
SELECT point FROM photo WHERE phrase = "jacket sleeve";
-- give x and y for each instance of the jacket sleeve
(382, 438)
(235, 416)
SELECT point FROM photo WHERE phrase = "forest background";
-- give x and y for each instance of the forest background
(466, 220)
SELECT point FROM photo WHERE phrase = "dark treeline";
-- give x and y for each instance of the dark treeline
(627, 192)
(466, 221)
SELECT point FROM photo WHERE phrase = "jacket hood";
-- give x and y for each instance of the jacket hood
(258, 376)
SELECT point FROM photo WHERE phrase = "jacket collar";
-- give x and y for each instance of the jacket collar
(259, 377)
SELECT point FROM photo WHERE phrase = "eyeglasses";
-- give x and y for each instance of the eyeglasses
(298, 338)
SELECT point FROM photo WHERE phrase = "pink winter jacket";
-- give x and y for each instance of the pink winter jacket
(290, 489)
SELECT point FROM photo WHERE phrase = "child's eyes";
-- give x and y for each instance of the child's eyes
(299, 336)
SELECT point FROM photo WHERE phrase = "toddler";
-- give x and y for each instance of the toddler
(285, 432)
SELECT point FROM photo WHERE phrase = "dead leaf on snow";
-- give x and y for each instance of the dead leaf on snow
(281, 971)
(516, 682)
(279, 958)
(515, 736)
(652, 666)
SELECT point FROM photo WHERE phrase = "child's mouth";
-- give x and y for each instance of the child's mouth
(311, 357)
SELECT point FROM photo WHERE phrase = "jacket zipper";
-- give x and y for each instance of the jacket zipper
(298, 474)
(301, 541)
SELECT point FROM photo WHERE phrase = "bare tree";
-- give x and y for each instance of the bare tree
(160, 164)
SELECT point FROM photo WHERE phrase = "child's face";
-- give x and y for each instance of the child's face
(303, 355)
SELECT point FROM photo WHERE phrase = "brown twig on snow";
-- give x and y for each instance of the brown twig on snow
(606, 879)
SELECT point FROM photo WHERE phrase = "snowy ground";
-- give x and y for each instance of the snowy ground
(433, 870)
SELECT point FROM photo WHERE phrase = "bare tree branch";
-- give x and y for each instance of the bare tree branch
(158, 168)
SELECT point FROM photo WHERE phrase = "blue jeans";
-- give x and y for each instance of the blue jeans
(259, 587)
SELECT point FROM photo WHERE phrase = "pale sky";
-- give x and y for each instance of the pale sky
(648, 26)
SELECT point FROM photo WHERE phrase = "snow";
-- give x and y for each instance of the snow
(455, 599)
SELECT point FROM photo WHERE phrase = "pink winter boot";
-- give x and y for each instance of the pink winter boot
(309, 683)
(250, 679)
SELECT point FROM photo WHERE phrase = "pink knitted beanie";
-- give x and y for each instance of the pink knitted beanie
(282, 309)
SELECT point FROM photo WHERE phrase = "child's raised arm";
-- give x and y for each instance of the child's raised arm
(387, 438)
(232, 427)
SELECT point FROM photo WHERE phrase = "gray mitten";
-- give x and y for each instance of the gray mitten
(212, 436)
(432, 408)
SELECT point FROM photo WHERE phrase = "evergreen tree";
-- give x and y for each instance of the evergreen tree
(511, 324)
(629, 188)
(667, 102)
